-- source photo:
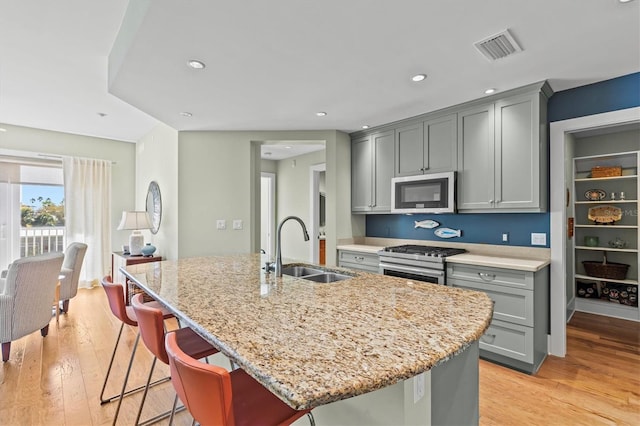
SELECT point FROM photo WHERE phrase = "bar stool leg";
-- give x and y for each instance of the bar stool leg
(126, 378)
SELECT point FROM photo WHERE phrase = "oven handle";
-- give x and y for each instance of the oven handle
(417, 271)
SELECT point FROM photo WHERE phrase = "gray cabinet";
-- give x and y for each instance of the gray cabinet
(371, 172)
(363, 261)
(517, 336)
(502, 155)
(475, 158)
(427, 147)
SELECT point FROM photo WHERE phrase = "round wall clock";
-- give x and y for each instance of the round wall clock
(154, 206)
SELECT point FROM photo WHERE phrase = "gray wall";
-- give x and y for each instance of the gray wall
(219, 178)
(157, 160)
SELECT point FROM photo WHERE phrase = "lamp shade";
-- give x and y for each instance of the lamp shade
(134, 220)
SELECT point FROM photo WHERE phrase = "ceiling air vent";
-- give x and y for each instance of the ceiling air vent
(498, 46)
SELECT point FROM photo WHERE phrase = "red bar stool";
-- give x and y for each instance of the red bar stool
(152, 330)
(214, 395)
(126, 315)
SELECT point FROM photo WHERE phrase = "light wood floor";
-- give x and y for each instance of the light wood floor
(57, 380)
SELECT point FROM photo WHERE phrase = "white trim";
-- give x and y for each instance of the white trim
(271, 212)
(557, 149)
(314, 209)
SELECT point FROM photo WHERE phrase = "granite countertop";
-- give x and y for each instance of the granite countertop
(497, 257)
(532, 265)
(311, 343)
(360, 248)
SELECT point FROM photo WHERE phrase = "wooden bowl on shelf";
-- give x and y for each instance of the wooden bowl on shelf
(605, 214)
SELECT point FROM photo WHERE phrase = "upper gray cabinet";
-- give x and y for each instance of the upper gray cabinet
(372, 159)
(497, 145)
(502, 155)
(426, 147)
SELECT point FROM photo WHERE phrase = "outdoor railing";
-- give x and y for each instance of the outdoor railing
(38, 240)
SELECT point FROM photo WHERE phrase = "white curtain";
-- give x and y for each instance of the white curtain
(87, 200)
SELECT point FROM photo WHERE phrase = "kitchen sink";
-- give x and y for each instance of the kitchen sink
(300, 271)
(313, 274)
(326, 277)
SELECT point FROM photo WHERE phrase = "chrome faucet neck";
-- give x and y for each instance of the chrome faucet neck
(305, 234)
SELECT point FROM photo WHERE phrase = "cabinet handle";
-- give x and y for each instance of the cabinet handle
(490, 201)
(497, 201)
(486, 277)
(359, 258)
(488, 338)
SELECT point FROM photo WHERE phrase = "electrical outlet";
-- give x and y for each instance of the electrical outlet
(237, 224)
(221, 224)
(538, 239)
(505, 237)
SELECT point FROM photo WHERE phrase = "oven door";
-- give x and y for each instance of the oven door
(413, 273)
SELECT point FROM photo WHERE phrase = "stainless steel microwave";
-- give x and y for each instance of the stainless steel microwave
(430, 193)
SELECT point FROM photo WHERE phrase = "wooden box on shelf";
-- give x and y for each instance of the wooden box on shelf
(598, 172)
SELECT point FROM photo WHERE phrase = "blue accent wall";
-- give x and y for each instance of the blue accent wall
(604, 96)
(476, 228)
(487, 228)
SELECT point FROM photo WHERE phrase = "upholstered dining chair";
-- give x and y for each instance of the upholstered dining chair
(215, 396)
(116, 297)
(152, 331)
(27, 290)
(73, 257)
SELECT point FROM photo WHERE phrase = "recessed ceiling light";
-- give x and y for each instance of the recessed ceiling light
(186, 114)
(2, 129)
(624, 1)
(287, 147)
(489, 91)
(321, 113)
(366, 126)
(102, 114)
(418, 77)
(195, 64)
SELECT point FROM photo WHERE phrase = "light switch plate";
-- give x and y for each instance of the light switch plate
(221, 224)
(237, 224)
(538, 239)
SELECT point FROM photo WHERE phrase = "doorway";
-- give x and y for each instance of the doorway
(560, 167)
(317, 198)
(267, 212)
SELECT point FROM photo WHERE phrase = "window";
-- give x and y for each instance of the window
(31, 208)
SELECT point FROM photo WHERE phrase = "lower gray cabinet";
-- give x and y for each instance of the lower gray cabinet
(362, 261)
(517, 336)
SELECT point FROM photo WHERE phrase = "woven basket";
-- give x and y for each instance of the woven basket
(609, 270)
(598, 172)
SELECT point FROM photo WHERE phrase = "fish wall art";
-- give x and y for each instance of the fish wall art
(426, 224)
(448, 232)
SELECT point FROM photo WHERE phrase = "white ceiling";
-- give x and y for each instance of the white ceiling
(273, 65)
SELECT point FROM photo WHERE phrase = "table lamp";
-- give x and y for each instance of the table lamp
(135, 221)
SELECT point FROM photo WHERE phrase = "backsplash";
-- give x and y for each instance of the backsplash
(476, 228)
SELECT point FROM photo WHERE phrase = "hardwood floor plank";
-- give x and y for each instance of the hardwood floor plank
(57, 380)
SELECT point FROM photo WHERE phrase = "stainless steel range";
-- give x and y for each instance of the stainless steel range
(415, 262)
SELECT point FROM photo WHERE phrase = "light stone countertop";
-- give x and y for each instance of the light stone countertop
(532, 265)
(362, 248)
(310, 343)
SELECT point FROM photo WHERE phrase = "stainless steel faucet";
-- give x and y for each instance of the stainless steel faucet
(279, 243)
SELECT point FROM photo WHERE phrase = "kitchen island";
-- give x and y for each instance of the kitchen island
(313, 344)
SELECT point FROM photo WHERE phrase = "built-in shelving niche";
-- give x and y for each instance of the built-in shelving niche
(612, 297)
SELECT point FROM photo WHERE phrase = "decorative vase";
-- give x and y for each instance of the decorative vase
(589, 241)
(148, 250)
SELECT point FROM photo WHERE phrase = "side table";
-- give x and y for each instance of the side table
(118, 260)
